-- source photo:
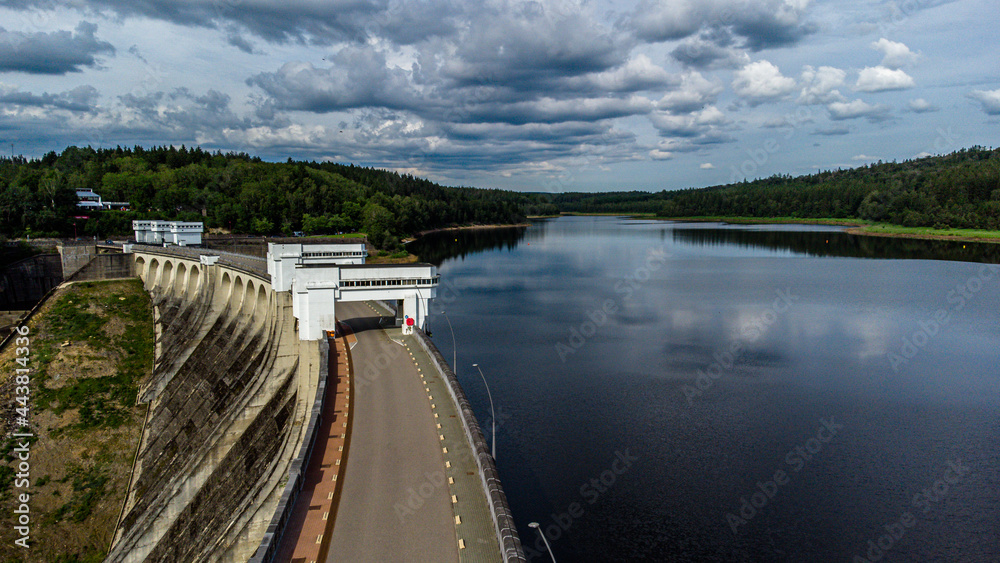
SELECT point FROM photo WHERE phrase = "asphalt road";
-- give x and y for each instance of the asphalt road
(395, 504)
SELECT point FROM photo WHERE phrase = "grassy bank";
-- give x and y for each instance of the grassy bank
(634, 215)
(771, 220)
(861, 227)
(90, 346)
(974, 235)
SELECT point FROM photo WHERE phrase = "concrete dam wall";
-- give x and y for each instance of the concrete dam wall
(227, 407)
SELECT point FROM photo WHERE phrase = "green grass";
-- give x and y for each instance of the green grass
(928, 231)
(773, 220)
(622, 214)
(81, 315)
(867, 227)
(89, 486)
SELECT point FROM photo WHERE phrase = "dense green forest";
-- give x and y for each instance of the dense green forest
(958, 190)
(236, 192)
(243, 194)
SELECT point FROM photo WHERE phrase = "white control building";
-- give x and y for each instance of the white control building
(320, 275)
(167, 233)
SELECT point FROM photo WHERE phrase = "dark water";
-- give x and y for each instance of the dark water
(706, 359)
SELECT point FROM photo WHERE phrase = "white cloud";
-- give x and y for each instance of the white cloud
(865, 158)
(855, 109)
(707, 166)
(920, 105)
(639, 73)
(689, 125)
(819, 86)
(761, 81)
(694, 93)
(880, 79)
(989, 99)
(894, 55)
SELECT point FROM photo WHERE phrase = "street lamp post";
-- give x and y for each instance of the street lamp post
(454, 348)
(493, 413)
(547, 546)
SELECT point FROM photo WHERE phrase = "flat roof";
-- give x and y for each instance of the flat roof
(372, 266)
(308, 241)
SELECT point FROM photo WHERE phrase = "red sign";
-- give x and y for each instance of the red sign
(409, 321)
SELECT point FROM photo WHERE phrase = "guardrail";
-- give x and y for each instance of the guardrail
(245, 263)
(510, 542)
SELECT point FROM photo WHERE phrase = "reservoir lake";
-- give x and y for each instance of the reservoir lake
(708, 392)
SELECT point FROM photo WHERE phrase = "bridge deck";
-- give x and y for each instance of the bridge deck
(397, 501)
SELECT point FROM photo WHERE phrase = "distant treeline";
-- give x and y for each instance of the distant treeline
(237, 192)
(247, 195)
(958, 190)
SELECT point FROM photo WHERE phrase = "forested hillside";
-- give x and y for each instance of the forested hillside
(958, 190)
(243, 194)
(237, 192)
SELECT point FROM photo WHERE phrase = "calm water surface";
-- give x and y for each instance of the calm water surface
(701, 392)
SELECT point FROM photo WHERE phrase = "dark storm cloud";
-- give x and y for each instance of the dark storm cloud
(358, 78)
(236, 39)
(716, 32)
(319, 22)
(764, 30)
(79, 99)
(182, 112)
(56, 52)
(528, 46)
(704, 54)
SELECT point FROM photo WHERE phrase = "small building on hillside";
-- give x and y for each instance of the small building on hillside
(166, 233)
(90, 200)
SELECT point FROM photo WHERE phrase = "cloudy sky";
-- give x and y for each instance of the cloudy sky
(544, 96)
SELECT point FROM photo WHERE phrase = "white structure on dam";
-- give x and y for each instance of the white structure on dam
(320, 275)
(167, 232)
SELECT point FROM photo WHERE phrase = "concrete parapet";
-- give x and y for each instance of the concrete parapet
(296, 475)
(104, 267)
(75, 255)
(506, 531)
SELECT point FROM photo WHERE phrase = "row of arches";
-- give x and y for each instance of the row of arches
(185, 279)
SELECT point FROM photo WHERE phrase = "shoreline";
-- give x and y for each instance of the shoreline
(466, 228)
(856, 227)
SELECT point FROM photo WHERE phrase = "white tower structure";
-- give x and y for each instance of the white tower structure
(320, 275)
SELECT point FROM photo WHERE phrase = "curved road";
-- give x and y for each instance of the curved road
(395, 504)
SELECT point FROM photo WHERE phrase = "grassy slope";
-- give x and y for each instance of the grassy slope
(85, 416)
